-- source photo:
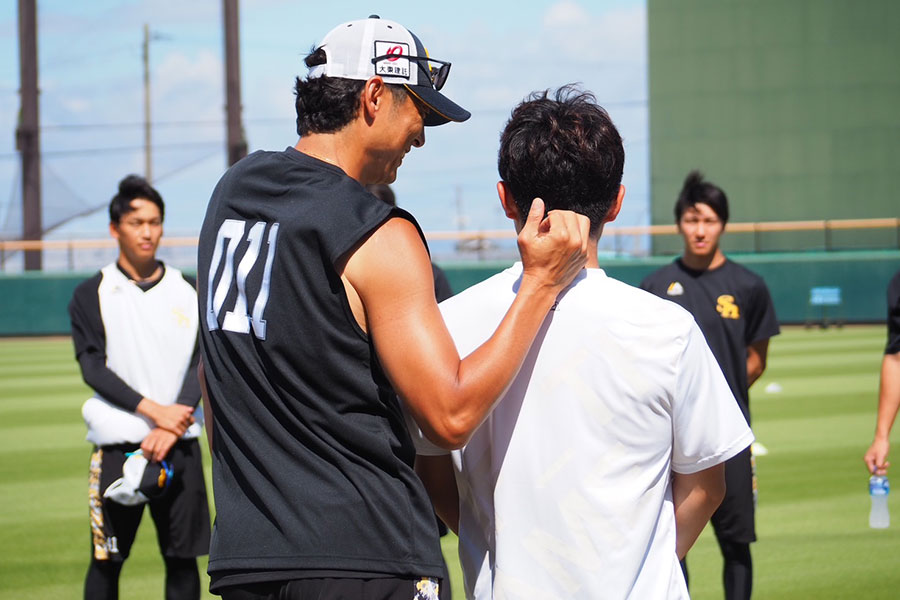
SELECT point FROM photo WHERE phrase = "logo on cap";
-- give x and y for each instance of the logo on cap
(397, 65)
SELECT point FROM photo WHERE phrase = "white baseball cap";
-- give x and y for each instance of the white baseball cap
(375, 46)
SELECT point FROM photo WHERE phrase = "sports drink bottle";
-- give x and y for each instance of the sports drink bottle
(879, 488)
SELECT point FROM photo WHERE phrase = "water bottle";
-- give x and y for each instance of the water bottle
(879, 488)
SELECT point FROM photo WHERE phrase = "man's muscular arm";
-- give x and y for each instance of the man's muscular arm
(448, 397)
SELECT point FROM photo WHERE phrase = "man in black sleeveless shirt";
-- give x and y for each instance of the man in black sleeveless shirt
(317, 311)
(734, 310)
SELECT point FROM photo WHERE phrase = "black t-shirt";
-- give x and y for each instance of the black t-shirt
(893, 317)
(313, 465)
(731, 305)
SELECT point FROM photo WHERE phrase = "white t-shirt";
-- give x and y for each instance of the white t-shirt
(565, 490)
(150, 337)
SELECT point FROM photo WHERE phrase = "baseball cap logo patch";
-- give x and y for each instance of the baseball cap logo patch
(395, 63)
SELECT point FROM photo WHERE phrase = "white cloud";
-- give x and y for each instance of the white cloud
(618, 36)
(179, 73)
(77, 105)
(565, 14)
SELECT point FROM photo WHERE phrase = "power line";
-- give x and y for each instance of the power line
(186, 166)
(156, 124)
(109, 150)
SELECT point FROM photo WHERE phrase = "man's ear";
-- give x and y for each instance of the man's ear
(372, 97)
(507, 201)
(613, 211)
(114, 230)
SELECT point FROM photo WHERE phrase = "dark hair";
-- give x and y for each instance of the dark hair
(383, 192)
(697, 191)
(131, 188)
(565, 150)
(328, 104)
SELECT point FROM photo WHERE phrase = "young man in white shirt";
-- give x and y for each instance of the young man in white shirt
(134, 328)
(601, 464)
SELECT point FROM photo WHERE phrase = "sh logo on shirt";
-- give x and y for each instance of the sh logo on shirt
(727, 308)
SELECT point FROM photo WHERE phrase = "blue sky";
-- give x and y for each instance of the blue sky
(92, 97)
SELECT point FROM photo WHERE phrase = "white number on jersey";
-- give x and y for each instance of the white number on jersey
(238, 319)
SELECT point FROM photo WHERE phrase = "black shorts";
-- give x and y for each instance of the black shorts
(735, 520)
(387, 588)
(181, 515)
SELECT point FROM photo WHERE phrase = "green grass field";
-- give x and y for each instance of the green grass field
(812, 514)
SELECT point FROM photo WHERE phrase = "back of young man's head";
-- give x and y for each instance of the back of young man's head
(698, 191)
(131, 188)
(564, 149)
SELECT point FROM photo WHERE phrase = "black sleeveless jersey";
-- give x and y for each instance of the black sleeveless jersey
(733, 308)
(312, 462)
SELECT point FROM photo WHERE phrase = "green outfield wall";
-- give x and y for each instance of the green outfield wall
(35, 304)
(790, 106)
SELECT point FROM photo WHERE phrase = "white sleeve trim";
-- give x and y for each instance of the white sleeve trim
(710, 461)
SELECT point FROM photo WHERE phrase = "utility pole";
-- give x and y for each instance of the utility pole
(237, 145)
(27, 138)
(148, 156)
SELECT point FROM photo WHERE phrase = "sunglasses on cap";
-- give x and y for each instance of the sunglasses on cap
(437, 76)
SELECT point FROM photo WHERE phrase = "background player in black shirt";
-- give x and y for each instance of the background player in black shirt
(734, 310)
(318, 309)
(889, 390)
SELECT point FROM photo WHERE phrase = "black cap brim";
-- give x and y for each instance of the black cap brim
(442, 109)
(155, 480)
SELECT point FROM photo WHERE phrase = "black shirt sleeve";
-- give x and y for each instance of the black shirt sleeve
(761, 320)
(89, 338)
(442, 289)
(893, 317)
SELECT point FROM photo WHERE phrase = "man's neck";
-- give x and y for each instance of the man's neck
(141, 272)
(592, 261)
(703, 263)
(332, 149)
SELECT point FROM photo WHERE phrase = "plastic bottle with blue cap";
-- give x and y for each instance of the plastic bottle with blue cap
(879, 515)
